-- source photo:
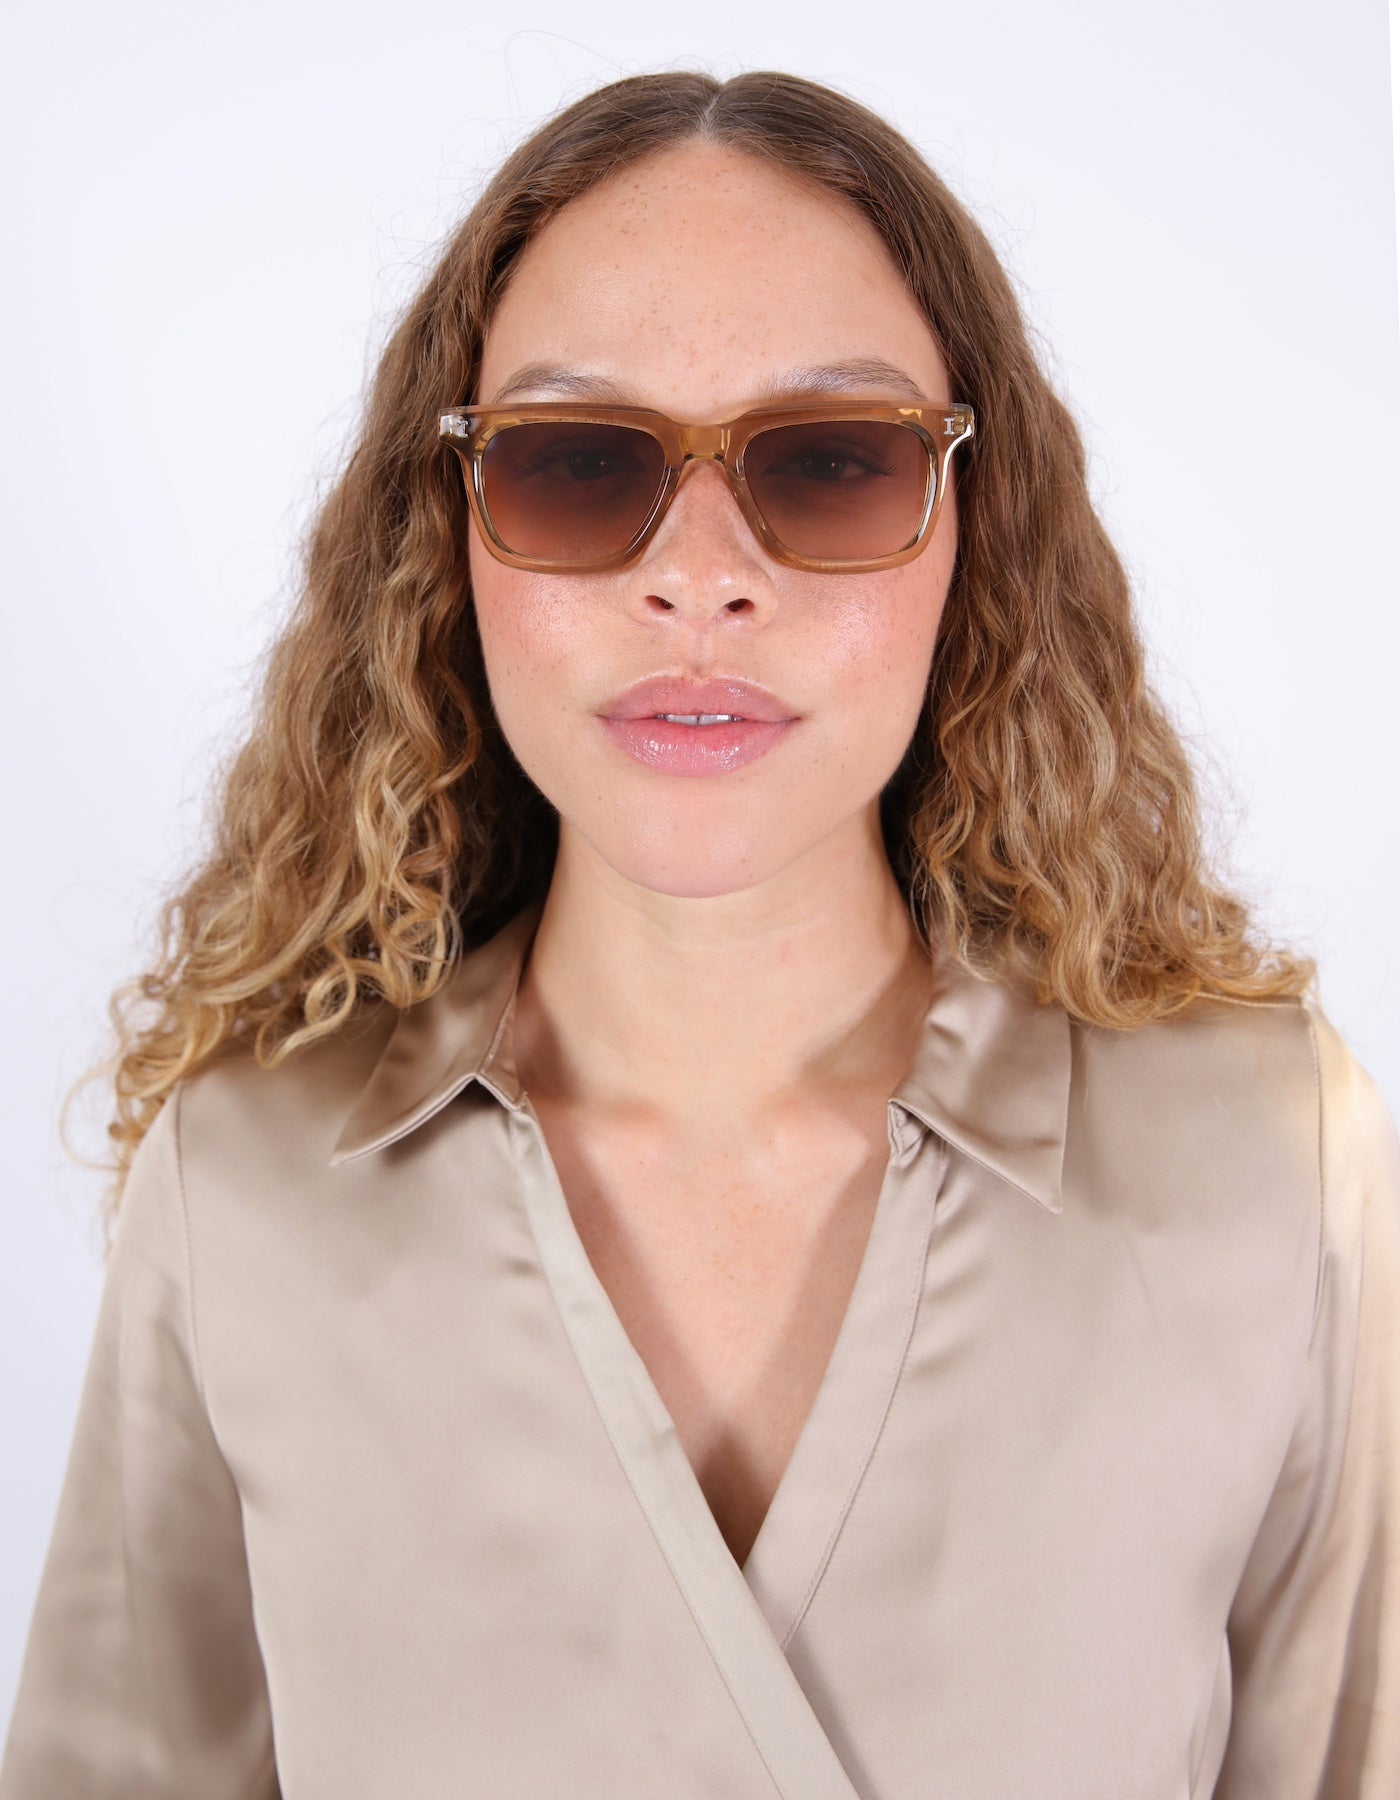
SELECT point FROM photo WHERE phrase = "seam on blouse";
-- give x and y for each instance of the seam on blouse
(1198, 1761)
(1321, 1183)
(196, 1356)
(878, 1427)
(1276, 1002)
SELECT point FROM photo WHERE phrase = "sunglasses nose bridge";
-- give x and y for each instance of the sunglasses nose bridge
(702, 444)
(705, 444)
(710, 441)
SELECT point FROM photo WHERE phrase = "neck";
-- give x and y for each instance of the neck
(722, 1012)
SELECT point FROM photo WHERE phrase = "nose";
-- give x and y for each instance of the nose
(704, 556)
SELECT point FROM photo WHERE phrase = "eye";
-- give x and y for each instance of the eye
(827, 460)
(582, 459)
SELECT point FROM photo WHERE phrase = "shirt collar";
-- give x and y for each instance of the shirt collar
(991, 1073)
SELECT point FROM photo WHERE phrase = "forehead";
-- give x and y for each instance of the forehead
(697, 280)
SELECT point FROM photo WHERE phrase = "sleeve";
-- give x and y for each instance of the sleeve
(1314, 1629)
(142, 1674)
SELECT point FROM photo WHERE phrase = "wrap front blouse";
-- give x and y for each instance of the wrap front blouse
(370, 1495)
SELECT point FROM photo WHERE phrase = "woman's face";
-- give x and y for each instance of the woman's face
(698, 283)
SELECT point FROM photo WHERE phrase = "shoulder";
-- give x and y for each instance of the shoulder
(1358, 1155)
(1205, 1123)
(1278, 1069)
(1256, 1111)
(235, 1112)
(1226, 1075)
(1353, 1117)
(251, 1131)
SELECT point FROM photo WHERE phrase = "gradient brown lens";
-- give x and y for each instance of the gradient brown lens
(841, 489)
(569, 491)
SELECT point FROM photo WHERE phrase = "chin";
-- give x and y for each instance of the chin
(699, 869)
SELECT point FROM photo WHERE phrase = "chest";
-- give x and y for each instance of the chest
(731, 1276)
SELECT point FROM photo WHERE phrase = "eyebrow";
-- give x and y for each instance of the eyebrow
(791, 384)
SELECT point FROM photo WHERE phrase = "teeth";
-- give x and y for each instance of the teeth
(699, 718)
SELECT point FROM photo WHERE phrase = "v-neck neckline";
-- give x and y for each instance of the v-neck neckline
(799, 1531)
(789, 1555)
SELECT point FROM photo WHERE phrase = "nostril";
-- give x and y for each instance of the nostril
(660, 600)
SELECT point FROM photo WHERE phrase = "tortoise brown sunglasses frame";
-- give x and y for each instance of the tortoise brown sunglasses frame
(941, 426)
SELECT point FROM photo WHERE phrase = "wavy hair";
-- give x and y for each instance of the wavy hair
(374, 824)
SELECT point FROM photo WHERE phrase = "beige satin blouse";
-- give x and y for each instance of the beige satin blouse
(371, 1498)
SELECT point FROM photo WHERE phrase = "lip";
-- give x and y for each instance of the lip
(725, 694)
(630, 720)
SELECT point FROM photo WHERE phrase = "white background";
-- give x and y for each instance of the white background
(212, 217)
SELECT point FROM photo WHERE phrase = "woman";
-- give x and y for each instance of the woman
(718, 1201)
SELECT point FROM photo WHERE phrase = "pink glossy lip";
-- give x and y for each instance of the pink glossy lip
(631, 720)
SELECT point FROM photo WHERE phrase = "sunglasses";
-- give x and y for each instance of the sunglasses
(847, 485)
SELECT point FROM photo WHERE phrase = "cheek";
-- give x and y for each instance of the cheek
(533, 651)
(886, 643)
(533, 644)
